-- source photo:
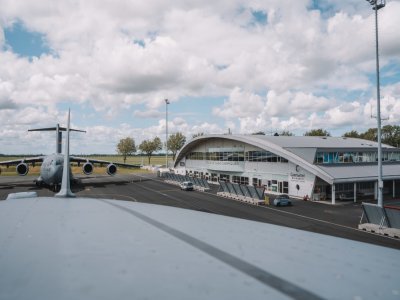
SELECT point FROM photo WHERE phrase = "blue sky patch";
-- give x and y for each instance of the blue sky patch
(141, 43)
(327, 9)
(390, 73)
(260, 17)
(25, 43)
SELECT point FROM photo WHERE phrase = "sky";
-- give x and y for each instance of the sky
(224, 65)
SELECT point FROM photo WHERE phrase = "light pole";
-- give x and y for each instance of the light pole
(376, 6)
(166, 132)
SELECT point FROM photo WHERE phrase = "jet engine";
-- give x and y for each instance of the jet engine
(111, 169)
(87, 168)
(22, 169)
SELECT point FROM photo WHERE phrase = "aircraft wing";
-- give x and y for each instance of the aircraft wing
(27, 160)
(101, 162)
(88, 248)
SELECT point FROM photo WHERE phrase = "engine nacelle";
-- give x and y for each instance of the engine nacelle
(87, 168)
(111, 169)
(22, 169)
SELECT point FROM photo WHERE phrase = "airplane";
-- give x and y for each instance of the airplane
(68, 247)
(51, 169)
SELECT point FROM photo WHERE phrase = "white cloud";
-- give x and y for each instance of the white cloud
(148, 114)
(299, 70)
(240, 104)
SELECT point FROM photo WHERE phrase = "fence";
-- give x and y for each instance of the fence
(199, 184)
(383, 220)
(246, 193)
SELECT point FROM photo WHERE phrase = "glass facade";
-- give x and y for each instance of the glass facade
(240, 180)
(339, 157)
(264, 156)
(251, 156)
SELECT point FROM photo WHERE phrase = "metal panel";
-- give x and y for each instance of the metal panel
(200, 182)
(205, 183)
(196, 181)
(260, 192)
(237, 189)
(393, 216)
(230, 188)
(253, 192)
(375, 214)
(224, 187)
(246, 191)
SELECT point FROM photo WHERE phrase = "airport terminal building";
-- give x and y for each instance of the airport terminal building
(320, 168)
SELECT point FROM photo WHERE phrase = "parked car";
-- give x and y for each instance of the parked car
(186, 186)
(282, 200)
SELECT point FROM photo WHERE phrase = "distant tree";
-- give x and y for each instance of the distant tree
(286, 133)
(126, 147)
(391, 135)
(150, 146)
(351, 134)
(176, 142)
(317, 132)
(197, 134)
(258, 133)
(371, 134)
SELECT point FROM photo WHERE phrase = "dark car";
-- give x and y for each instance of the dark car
(282, 200)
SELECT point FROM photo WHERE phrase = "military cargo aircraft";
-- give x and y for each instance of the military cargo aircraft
(51, 169)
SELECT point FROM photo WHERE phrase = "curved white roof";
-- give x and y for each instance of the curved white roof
(299, 150)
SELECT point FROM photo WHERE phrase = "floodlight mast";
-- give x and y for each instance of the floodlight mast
(376, 6)
(166, 132)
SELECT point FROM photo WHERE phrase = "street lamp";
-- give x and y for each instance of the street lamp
(166, 132)
(376, 6)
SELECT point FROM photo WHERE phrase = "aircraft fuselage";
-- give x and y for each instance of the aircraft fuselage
(51, 170)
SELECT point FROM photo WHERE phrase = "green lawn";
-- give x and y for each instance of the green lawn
(155, 160)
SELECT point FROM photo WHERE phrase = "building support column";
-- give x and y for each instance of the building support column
(333, 194)
(355, 192)
(375, 190)
(394, 188)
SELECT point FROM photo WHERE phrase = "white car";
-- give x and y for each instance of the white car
(186, 186)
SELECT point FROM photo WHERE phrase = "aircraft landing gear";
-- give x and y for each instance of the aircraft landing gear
(56, 188)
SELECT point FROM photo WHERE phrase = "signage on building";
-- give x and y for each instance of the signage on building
(298, 177)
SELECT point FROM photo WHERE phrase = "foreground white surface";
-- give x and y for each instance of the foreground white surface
(82, 248)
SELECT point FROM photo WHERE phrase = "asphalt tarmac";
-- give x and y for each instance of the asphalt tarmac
(340, 220)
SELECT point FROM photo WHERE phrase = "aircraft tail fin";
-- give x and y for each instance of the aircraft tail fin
(65, 191)
(58, 131)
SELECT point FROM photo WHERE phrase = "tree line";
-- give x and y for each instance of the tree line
(127, 146)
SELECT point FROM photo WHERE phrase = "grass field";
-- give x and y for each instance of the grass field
(155, 160)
